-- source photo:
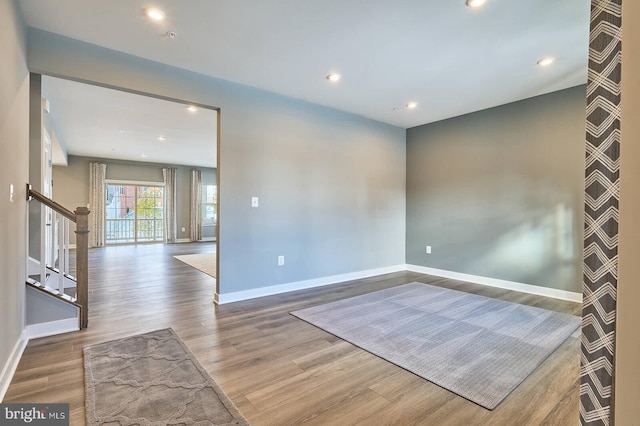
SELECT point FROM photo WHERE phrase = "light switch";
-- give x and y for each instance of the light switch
(254, 202)
(11, 193)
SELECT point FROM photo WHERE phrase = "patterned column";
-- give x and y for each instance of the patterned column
(602, 184)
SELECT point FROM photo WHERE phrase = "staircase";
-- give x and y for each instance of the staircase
(52, 273)
(72, 300)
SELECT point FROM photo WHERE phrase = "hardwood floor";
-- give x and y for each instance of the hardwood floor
(277, 369)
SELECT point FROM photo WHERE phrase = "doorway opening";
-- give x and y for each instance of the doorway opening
(137, 137)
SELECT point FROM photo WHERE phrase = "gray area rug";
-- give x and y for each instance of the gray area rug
(152, 379)
(478, 347)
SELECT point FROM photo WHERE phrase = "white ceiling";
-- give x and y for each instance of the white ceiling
(449, 58)
(94, 121)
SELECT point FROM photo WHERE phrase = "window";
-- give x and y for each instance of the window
(209, 206)
(135, 213)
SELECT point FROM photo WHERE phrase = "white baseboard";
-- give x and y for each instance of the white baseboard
(53, 327)
(31, 332)
(188, 240)
(11, 365)
(494, 282)
(221, 299)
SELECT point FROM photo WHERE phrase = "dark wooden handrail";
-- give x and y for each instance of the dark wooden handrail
(81, 218)
(33, 194)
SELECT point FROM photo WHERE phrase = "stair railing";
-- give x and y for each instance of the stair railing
(56, 220)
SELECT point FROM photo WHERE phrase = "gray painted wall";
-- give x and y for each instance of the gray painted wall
(14, 156)
(499, 193)
(43, 308)
(71, 183)
(331, 184)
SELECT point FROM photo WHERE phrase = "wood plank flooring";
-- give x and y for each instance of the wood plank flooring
(277, 369)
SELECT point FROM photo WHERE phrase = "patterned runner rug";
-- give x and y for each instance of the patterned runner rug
(152, 378)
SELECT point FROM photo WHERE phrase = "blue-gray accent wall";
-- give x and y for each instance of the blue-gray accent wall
(499, 193)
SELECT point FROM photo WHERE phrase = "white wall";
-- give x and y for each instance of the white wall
(14, 158)
(331, 184)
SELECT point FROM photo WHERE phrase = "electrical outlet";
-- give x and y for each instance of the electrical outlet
(428, 250)
(255, 202)
(184, 229)
(280, 260)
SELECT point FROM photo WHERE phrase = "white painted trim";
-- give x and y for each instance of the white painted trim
(221, 299)
(31, 332)
(11, 365)
(237, 296)
(51, 328)
(188, 240)
(494, 282)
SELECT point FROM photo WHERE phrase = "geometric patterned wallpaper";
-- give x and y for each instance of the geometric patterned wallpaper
(602, 173)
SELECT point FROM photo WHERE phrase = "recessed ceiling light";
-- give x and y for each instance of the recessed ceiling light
(411, 105)
(143, 155)
(161, 138)
(191, 108)
(544, 62)
(334, 77)
(155, 14)
(475, 3)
